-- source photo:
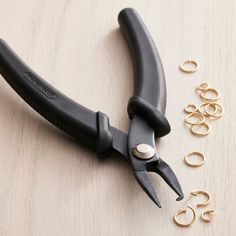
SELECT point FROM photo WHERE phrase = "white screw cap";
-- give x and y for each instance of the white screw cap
(143, 151)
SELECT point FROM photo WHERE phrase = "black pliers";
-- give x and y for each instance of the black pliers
(146, 108)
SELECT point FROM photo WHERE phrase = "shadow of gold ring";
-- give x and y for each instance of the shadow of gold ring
(183, 212)
(186, 159)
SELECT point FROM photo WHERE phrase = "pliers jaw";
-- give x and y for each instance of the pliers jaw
(160, 167)
(168, 175)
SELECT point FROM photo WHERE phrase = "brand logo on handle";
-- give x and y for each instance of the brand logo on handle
(39, 85)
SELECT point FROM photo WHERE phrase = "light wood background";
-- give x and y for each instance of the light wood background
(51, 185)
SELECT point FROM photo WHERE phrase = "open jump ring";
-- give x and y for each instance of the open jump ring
(211, 99)
(183, 212)
(207, 219)
(208, 195)
(189, 70)
(186, 159)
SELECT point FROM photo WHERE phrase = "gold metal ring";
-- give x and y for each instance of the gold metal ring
(203, 105)
(211, 99)
(209, 198)
(187, 70)
(190, 108)
(200, 134)
(183, 212)
(202, 86)
(195, 114)
(218, 108)
(186, 159)
(206, 219)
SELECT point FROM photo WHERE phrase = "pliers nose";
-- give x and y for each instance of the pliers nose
(167, 174)
(163, 169)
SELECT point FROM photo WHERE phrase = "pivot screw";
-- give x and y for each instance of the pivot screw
(143, 151)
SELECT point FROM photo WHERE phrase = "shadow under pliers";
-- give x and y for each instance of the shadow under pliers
(146, 108)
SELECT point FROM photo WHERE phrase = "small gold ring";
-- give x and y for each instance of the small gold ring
(186, 160)
(209, 198)
(211, 99)
(187, 70)
(218, 108)
(202, 86)
(206, 219)
(195, 114)
(200, 134)
(188, 109)
(204, 104)
(183, 212)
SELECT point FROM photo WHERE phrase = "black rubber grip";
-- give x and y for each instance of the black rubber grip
(91, 128)
(149, 100)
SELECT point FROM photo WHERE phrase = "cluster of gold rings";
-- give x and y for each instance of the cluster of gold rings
(196, 118)
(208, 109)
(203, 215)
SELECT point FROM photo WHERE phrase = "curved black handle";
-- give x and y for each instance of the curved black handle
(92, 128)
(149, 98)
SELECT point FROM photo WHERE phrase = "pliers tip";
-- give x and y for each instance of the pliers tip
(145, 183)
(164, 170)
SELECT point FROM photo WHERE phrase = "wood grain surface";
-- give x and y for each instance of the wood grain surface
(51, 185)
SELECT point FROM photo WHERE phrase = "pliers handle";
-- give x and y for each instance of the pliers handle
(149, 98)
(92, 128)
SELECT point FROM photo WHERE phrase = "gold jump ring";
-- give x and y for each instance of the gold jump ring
(218, 108)
(195, 114)
(183, 212)
(202, 86)
(209, 212)
(211, 99)
(204, 104)
(200, 134)
(188, 109)
(186, 159)
(187, 70)
(209, 198)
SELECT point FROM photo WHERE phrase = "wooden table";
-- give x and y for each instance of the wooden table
(52, 185)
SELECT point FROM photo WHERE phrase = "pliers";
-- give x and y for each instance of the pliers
(146, 108)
